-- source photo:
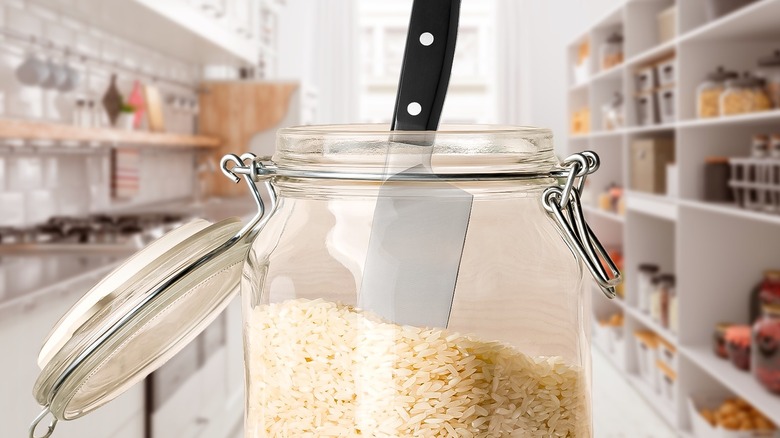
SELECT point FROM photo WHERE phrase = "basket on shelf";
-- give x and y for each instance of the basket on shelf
(756, 183)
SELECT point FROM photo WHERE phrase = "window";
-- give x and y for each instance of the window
(472, 93)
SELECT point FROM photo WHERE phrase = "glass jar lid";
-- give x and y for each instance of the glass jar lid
(139, 316)
(721, 75)
(746, 81)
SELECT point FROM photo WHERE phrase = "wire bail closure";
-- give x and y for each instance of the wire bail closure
(563, 204)
(50, 431)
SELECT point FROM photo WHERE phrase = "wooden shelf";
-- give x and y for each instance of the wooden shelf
(27, 130)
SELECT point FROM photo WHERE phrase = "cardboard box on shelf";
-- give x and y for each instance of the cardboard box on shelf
(649, 157)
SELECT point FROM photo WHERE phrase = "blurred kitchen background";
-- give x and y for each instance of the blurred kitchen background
(113, 114)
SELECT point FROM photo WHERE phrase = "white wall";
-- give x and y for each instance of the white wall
(550, 25)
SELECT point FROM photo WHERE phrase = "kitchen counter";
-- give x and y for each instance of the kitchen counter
(29, 273)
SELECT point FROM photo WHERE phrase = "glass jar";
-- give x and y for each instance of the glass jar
(765, 292)
(738, 345)
(744, 95)
(612, 51)
(769, 70)
(774, 146)
(719, 340)
(308, 345)
(645, 286)
(766, 350)
(511, 355)
(666, 291)
(708, 92)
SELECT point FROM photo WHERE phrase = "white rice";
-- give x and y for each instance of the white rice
(319, 369)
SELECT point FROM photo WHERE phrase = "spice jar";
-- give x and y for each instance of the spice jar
(759, 146)
(319, 359)
(719, 340)
(766, 292)
(769, 70)
(666, 289)
(738, 345)
(766, 348)
(656, 301)
(673, 317)
(708, 92)
(744, 95)
(612, 51)
(645, 285)
(774, 146)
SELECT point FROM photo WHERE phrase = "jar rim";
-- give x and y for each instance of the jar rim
(379, 129)
(456, 149)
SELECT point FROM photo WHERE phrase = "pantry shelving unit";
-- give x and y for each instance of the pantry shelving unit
(717, 251)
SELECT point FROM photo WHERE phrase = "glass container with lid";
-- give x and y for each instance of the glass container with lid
(514, 356)
(769, 70)
(708, 93)
(766, 353)
(744, 95)
(612, 51)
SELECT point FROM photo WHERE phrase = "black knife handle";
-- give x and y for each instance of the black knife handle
(426, 69)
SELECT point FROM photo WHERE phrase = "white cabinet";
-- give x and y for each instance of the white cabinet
(22, 330)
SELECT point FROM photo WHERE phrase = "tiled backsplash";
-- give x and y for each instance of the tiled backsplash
(41, 179)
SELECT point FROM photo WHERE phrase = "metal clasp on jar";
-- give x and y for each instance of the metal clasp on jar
(563, 204)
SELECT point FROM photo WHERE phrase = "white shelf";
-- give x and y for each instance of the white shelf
(744, 119)
(605, 75)
(650, 128)
(652, 54)
(654, 399)
(590, 209)
(756, 21)
(653, 205)
(648, 322)
(733, 210)
(695, 239)
(740, 382)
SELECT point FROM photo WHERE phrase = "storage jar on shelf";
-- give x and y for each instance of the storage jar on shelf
(708, 92)
(769, 70)
(744, 95)
(645, 284)
(719, 340)
(612, 51)
(766, 348)
(317, 357)
(647, 356)
(738, 345)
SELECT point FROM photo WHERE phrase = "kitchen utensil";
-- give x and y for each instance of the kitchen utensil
(418, 232)
(112, 101)
(57, 77)
(72, 79)
(154, 108)
(33, 71)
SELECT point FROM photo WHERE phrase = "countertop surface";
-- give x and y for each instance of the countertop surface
(29, 274)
